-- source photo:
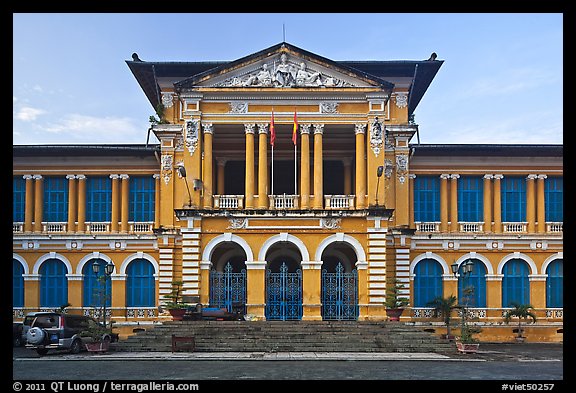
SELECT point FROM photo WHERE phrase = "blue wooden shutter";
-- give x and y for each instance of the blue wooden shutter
(140, 284)
(515, 283)
(53, 283)
(477, 280)
(555, 284)
(93, 288)
(17, 284)
(427, 282)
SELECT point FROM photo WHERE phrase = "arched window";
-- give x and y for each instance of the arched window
(140, 285)
(476, 281)
(555, 284)
(17, 284)
(97, 288)
(53, 283)
(515, 284)
(427, 282)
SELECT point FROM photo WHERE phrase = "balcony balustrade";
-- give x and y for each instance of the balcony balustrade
(54, 227)
(228, 201)
(514, 227)
(427, 226)
(471, 226)
(17, 227)
(554, 227)
(339, 201)
(283, 202)
(97, 227)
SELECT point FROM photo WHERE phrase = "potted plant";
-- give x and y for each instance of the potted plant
(522, 312)
(466, 342)
(175, 306)
(394, 302)
(96, 337)
(443, 308)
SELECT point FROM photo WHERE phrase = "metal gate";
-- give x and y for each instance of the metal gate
(228, 290)
(283, 294)
(339, 294)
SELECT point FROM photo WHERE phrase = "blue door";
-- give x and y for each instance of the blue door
(228, 289)
(339, 294)
(283, 294)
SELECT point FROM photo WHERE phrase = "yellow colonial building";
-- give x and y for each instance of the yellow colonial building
(289, 186)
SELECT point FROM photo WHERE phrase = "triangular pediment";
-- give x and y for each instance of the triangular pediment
(283, 66)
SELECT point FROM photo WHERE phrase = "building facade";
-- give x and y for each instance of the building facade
(289, 185)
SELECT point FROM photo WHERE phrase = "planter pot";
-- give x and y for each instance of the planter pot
(394, 313)
(449, 337)
(101, 346)
(467, 347)
(177, 313)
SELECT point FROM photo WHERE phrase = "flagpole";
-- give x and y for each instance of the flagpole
(295, 173)
(272, 164)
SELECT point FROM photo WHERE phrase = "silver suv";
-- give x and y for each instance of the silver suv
(50, 330)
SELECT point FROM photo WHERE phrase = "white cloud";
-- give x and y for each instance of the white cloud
(14, 99)
(27, 113)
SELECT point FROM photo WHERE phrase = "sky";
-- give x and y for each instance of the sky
(501, 81)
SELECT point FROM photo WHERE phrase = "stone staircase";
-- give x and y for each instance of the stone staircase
(289, 336)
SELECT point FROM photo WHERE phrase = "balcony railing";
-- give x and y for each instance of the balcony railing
(283, 201)
(54, 227)
(471, 226)
(141, 227)
(97, 227)
(514, 227)
(554, 227)
(17, 227)
(228, 201)
(427, 226)
(339, 201)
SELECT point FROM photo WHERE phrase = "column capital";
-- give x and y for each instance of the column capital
(221, 161)
(444, 176)
(542, 177)
(454, 176)
(412, 176)
(249, 128)
(208, 128)
(81, 177)
(318, 128)
(305, 128)
(531, 177)
(156, 176)
(70, 177)
(498, 177)
(347, 161)
(488, 177)
(37, 177)
(27, 177)
(124, 176)
(114, 177)
(360, 128)
(262, 128)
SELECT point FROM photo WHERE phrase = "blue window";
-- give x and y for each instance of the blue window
(426, 198)
(553, 199)
(515, 284)
(140, 285)
(53, 283)
(98, 199)
(470, 199)
(18, 198)
(55, 199)
(427, 282)
(17, 284)
(513, 199)
(141, 199)
(97, 288)
(555, 284)
(475, 281)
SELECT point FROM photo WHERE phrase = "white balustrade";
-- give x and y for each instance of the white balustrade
(554, 227)
(339, 201)
(98, 227)
(514, 227)
(54, 227)
(141, 226)
(471, 226)
(283, 201)
(17, 227)
(228, 201)
(427, 226)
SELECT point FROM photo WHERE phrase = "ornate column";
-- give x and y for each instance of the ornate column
(208, 164)
(249, 176)
(221, 164)
(540, 202)
(72, 198)
(38, 202)
(347, 162)
(488, 203)
(81, 203)
(497, 204)
(262, 166)
(125, 204)
(454, 203)
(29, 205)
(444, 202)
(156, 177)
(305, 166)
(318, 161)
(115, 203)
(360, 131)
(530, 203)
(411, 178)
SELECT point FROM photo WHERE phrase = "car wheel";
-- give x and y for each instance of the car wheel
(76, 347)
(41, 351)
(35, 335)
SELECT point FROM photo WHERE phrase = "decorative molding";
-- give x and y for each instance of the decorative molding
(411, 176)
(208, 128)
(388, 167)
(191, 135)
(114, 177)
(488, 177)
(401, 100)
(37, 177)
(376, 136)
(238, 107)
(359, 128)
(330, 223)
(238, 223)
(27, 177)
(542, 177)
(318, 128)
(81, 177)
(156, 176)
(531, 177)
(167, 100)
(249, 128)
(262, 128)
(179, 142)
(124, 176)
(454, 177)
(444, 176)
(498, 177)
(401, 164)
(328, 107)
(70, 177)
(167, 161)
(305, 128)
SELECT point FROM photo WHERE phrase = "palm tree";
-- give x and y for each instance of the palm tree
(522, 312)
(444, 306)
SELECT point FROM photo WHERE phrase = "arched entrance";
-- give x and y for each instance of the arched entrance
(283, 282)
(228, 277)
(339, 283)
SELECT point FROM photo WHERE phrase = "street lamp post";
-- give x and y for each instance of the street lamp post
(108, 270)
(467, 268)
